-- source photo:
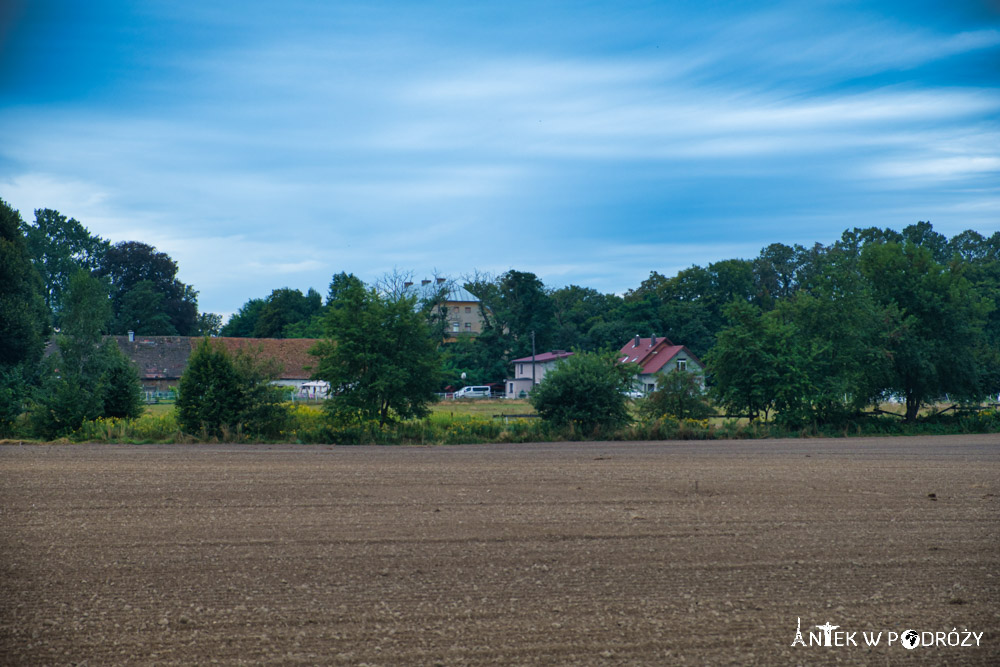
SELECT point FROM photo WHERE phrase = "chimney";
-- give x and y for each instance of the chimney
(652, 341)
(636, 343)
(440, 281)
(424, 282)
(131, 336)
(408, 284)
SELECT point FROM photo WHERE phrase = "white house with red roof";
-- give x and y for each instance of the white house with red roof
(531, 370)
(656, 357)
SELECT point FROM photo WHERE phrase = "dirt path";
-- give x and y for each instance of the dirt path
(568, 553)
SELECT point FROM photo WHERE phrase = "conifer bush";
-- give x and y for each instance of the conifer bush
(229, 396)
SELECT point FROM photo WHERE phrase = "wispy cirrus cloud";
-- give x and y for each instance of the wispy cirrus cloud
(280, 147)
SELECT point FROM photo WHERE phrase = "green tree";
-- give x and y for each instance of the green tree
(379, 355)
(934, 318)
(923, 235)
(142, 311)
(23, 317)
(88, 377)
(979, 260)
(577, 310)
(516, 304)
(776, 272)
(472, 357)
(971, 246)
(223, 395)
(243, 322)
(59, 247)
(209, 324)
(131, 265)
(122, 388)
(838, 340)
(283, 309)
(688, 308)
(679, 395)
(586, 390)
(743, 363)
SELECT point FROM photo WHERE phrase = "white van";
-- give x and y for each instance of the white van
(478, 391)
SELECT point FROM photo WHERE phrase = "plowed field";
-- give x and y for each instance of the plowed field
(567, 553)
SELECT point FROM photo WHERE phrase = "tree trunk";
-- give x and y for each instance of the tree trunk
(912, 407)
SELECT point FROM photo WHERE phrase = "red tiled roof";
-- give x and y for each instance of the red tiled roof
(651, 356)
(166, 357)
(291, 353)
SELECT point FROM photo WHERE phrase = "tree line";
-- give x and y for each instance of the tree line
(797, 334)
(803, 334)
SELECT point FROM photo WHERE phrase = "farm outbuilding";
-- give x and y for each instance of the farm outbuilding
(162, 359)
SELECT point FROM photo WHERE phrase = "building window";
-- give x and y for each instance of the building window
(682, 364)
(468, 309)
(468, 327)
(454, 327)
(520, 370)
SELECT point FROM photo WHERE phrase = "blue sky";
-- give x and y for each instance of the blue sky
(267, 144)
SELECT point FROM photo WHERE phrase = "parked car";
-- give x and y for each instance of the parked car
(473, 391)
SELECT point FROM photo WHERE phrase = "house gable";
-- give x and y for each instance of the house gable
(658, 355)
(541, 364)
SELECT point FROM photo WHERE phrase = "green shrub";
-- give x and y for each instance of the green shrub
(229, 397)
(585, 392)
(678, 395)
(146, 428)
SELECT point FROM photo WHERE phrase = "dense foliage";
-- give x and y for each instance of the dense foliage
(146, 295)
(680, 395)
(88, 377)
(379, 356)
(59, 247)
(229, 396)
(587, 390)
(286, 313)
(23, 317)
(802, 337)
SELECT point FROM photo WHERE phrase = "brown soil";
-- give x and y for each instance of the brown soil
(568, 553)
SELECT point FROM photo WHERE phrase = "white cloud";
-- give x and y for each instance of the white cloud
(943, 168)
(286, 155)
(74, 198)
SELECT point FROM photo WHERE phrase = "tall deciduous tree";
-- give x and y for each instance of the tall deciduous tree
(743, 362)
(209, 324)
(935, 320)
(577, 310)
(142, 310)
(88, 377)
(283, 309)
(59, 247)
(23, 316)
(379, 356)
(242, 323)
(518, 305)
(132, 265)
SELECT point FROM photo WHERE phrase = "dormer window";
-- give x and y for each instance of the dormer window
(682, 364)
